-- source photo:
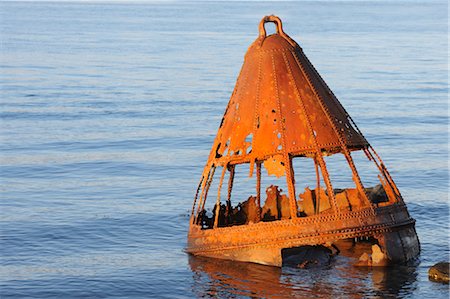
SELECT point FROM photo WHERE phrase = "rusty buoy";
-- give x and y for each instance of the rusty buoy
(282, 111)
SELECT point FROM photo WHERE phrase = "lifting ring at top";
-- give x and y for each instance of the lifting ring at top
(279, 29)
(273, 19)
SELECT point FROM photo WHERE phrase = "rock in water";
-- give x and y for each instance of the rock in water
(378, 257)
(364, 260)
(439, 272)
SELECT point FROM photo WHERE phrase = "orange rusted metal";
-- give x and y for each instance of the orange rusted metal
(280, 110)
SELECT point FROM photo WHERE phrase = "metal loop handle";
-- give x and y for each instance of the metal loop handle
(273, 19)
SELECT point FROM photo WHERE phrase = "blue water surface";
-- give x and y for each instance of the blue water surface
(109, 109)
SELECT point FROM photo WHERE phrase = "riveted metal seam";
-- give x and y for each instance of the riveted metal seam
(321, 237)
(286, 158)
(311, 132)
(336, 131)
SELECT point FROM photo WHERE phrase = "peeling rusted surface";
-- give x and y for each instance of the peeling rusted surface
(280, 110)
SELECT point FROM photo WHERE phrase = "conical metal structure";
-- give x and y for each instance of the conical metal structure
(284, 105)
(281, 109)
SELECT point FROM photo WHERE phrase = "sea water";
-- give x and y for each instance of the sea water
(109, 110)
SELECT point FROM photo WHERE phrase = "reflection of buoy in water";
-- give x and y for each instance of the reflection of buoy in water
(281, 117)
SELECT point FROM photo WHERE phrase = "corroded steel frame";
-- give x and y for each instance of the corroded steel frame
(278, 79)
(262, 242)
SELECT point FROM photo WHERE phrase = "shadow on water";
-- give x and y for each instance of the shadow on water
(214, 278)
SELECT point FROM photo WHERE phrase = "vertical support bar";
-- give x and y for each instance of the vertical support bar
(356, 177)
(196, 195)
(286, 157)
(255, 128)
(291, 186)
(317, 210)
(326, 178)
(230, 188)
(200, 201)
(208, 184)
(216, 220)
(382, 169)
(386, 172)
(258, 184)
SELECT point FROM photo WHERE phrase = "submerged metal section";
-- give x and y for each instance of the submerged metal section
(282, 110)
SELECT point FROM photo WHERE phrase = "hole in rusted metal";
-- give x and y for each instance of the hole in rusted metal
(249, 138)
(218, 155)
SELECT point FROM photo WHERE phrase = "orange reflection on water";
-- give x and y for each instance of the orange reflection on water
(229, 279)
